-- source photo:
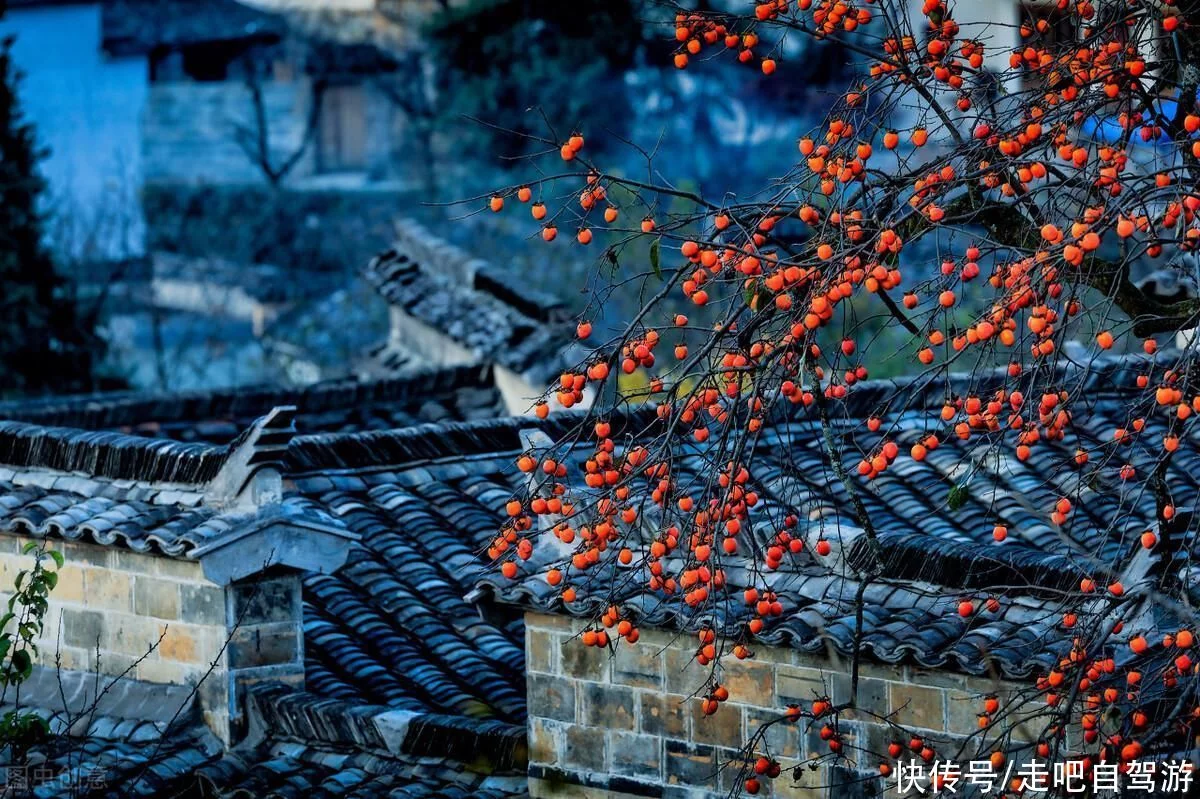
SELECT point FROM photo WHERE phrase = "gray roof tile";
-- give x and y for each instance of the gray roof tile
(392, 628)
(472, 303)
(217, 417)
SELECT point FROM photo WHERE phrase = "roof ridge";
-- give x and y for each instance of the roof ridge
(1102, 375)
(435, 441)
(958, 565)
(117, 456)
(129, 407)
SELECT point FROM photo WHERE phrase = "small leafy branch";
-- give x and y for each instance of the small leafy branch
(20, 628)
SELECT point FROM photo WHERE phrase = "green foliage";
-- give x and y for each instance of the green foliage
(45, 346)
(20, 628)
(500, 60)
(957, 497)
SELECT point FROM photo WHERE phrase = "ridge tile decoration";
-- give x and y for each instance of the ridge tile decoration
(461, 393)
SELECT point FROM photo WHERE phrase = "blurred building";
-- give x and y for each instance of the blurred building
(129, 92)
(448, 308)
(242, 95)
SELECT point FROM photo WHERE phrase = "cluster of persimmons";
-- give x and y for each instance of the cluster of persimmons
(1035, 222)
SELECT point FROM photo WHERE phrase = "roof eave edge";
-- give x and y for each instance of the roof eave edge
(291, 543)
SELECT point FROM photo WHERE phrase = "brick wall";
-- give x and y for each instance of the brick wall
(116, 612)
(623, 725)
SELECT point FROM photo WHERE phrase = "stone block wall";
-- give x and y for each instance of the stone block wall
(266, 635)
(625, 725)
(119, 613)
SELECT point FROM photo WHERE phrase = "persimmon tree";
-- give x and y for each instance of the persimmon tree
(984, 200)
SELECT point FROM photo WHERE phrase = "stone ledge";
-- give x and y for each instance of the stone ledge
(481, 745)
(77, 692)
(547, 781)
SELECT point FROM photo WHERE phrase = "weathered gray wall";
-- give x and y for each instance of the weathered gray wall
(596, 720)
(189, 130)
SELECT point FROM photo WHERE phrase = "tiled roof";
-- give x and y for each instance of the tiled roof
(114, 758)
(473, 303)
(140, 739)
(424, 741)
(111, 489)
(452, 448)
(103, 454)
(140, 518)
(127, 738)
(914, 622)
(134, 27)
(191, 501)
(935, 551)
(303, 752)
(217, 417)
(393, 627)
(293, 771)
(425, 501)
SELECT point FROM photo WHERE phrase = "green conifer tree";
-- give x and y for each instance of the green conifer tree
(45, 345)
